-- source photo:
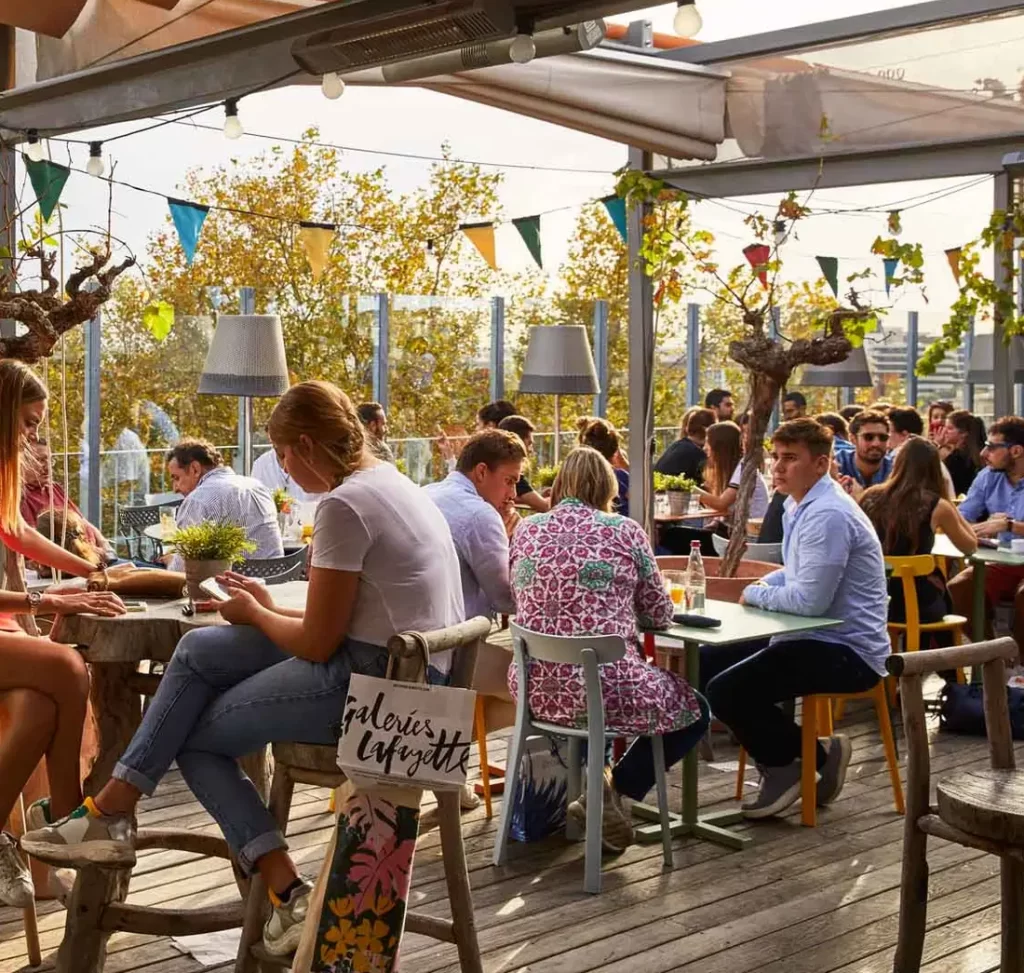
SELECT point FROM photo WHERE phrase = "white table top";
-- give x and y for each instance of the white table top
(741, 622)
(944, 547)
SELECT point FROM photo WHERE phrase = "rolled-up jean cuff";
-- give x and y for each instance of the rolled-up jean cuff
(259, 846)
(139, 781)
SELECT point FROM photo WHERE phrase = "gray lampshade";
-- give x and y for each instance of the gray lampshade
(559, 362)
(854, 372)
(980, 367)
(246, 357)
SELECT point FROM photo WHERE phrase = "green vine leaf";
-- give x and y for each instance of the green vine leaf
(159, 319)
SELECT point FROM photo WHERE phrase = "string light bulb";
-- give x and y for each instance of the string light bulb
(95, 165)
(687, 21)
(232, 123)
(332, 86)
(522, 50)
(34, 150)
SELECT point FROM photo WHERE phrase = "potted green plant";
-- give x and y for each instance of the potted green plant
(285, 504)
(209, 549)
(678, 489)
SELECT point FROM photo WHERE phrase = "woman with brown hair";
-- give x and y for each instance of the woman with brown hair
(604, 581)
(963, 438)
(724, 449)
(45, 686)
(601, 435)
(383, 562)
(906, 510)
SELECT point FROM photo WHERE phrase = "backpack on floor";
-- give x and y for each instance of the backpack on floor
(962, 710)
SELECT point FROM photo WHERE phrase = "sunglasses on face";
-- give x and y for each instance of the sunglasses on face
(992, 446)
(870, 437)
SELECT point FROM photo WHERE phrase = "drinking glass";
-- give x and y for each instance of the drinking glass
(168, 524)
(675, 585)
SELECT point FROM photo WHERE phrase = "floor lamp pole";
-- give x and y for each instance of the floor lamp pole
(558, 429)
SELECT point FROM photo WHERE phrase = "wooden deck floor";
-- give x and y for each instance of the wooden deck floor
(798, 901)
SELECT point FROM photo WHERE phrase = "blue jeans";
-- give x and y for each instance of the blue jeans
(228, 691)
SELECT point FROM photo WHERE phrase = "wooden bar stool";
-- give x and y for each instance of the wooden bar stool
(816, 721)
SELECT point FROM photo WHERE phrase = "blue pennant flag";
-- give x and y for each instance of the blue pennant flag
(891, 264)
(188, 221)
(616, 206)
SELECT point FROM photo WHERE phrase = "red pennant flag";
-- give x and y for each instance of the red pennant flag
(757, 255)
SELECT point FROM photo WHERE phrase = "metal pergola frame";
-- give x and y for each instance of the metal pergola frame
(906, 163)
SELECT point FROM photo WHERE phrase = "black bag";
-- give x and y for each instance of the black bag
(962, 710)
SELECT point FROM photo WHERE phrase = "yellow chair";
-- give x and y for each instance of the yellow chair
(816, 721)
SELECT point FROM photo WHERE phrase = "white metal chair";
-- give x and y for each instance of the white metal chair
(588, 652)
(772, 553)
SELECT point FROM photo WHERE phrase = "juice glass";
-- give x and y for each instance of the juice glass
(675, 585)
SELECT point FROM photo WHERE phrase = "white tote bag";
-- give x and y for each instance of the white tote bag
(406, 734)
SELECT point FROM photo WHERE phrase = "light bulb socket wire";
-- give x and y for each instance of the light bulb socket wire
(95, 150)
(231, 108)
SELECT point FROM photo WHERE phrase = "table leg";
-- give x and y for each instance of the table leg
(709, 827)
(978, 612)
(117, 709)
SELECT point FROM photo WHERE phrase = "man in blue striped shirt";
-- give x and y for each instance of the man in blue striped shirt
(834, 569)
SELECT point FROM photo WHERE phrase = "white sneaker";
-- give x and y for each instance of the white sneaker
(283, 930)
(468, 797)
(16, 887)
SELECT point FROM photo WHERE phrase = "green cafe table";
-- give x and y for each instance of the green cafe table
(980, 560)
(739, 623)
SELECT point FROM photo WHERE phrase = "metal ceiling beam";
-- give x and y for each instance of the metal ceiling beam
(211, 69)
(903, 163)
(844, 30)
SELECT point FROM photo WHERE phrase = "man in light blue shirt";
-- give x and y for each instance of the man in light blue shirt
(995, 506)
(474, 499)
(834, 569)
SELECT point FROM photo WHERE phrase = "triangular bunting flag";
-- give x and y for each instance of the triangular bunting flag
(616, 206)
(890, 263)
(757, 255)
(188, 221)
(316, 240)
(481, 235)
(529, 230)
(48, 180)
(830, 271)
(953, 256)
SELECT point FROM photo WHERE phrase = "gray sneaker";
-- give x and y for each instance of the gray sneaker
(832, 775)
(780, 788)
(84, 835)
(283, 929)
(16, 887)
(616, 822)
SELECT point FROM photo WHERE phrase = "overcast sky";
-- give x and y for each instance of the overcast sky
(412, 121)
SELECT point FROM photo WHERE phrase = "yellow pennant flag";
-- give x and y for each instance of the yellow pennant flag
(316, 240)
(953, 256)
(481, 235)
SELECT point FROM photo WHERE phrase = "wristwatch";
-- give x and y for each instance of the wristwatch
(34, 600)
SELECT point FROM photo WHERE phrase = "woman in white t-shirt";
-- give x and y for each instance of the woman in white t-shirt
(724, 448)
(383, 562)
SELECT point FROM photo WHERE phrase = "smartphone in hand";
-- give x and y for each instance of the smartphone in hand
(213, 590)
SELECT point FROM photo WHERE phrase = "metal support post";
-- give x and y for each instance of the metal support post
(601, 357)
(968, 386)
(380, 350)
(90, 465)
(1018, 389)
(1001, 370)
(912, 332)
(497, 348)
(246, 305)
(692, 355)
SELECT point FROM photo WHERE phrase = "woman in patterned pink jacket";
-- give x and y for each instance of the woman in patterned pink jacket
(580, 570)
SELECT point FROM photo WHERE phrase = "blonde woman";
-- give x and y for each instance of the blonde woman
(383, 562)
(44, 685)
(604, 581)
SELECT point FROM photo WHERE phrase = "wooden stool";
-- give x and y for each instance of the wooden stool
(35, 956)
(313, 764)
(815, 721)
(979, 808)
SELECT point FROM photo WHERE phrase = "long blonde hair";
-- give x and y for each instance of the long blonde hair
(326, 415)
(724, 441)
(19, 386)
(588, 477)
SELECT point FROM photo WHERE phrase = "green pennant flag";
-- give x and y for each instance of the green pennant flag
(529, 230)
(830, 271)
(48, 180)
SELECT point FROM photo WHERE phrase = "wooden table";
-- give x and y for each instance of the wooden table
(702, 514)
(980, 560)
(114, 647)
(739, 623)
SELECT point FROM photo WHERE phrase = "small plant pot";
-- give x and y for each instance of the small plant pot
(678, 502)
(198, 571)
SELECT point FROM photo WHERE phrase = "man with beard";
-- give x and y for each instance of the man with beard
(867, 463)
